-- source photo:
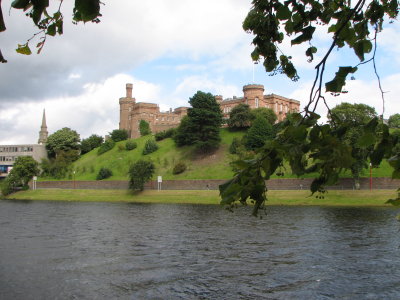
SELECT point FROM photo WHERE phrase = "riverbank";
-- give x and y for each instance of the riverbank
(290, 197)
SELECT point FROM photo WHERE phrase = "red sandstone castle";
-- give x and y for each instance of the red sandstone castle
(131, 112)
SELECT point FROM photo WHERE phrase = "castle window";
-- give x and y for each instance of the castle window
(257, 104)
(130, 108)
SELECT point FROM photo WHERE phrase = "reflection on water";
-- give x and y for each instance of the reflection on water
(52, 250)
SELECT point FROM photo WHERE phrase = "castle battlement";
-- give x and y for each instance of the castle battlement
(131, 112)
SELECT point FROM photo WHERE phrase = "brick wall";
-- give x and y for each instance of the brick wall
(273, 184)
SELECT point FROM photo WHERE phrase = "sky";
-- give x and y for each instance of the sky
(168, 50)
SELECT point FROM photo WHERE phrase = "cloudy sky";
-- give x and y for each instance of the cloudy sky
(168, 50)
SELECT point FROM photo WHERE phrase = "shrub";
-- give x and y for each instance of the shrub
(233, 148)
(121, 147)
(144, 128)
(150, 147)
(139, 173)
(118, 135)
(106, 146)
(130, 145)
(104, 173)
(159, 136)
(179, 168)
(165, 134)
(259, 132)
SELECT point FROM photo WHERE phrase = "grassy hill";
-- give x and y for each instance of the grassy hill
(214, 166)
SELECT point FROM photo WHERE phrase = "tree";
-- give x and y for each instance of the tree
(259, 132)
(183, 134)
(264, 112)
(140, 173)
(118, 135)
(59, 166)
(305, 144)
(50, 23)
(150, 147)
(144, 128)
(24, 168)
(90, 143)
(64, 139)
(239, 117)
(203, 123)
(352, 114)
(355, 116)
(394, 121)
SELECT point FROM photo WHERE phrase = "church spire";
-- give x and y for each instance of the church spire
(43, 133)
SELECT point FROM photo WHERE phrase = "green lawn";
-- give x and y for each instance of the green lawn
(332, 198)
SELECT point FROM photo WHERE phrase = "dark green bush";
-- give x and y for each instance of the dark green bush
(106, 146)
(159, 136)
(140, 173)
(233, 148)
(130, 145)
(104, 173)
(150, 147)
(179, 168)
(118, 135)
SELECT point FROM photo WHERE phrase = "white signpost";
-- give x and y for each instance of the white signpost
(34, 182)
(159, 182)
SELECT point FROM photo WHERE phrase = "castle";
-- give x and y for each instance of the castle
(131, 112)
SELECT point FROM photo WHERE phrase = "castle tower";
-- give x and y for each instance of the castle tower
(43, 133)
(253, 94)
(125, 107)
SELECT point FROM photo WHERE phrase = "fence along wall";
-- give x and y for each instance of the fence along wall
(273, 184)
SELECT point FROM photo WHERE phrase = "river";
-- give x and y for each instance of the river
(71, 250)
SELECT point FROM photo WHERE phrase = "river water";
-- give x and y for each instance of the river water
(70, 250)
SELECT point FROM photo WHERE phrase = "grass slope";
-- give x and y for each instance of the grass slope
(214, 166)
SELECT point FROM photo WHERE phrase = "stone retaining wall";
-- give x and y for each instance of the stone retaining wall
(273, 184)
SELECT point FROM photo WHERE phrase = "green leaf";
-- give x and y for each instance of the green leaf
(310, 51)
(336, 85)
(37, 14)
(362, 47)
(395, 202)
(51, 30)
(306, 35)
(283, 13)
(24, 49)
(86, 10)
(367, 139)
(316, 185)
(20, 4)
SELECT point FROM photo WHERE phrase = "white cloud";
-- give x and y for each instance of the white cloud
(96, 110)
(190, 85)
(359, 91)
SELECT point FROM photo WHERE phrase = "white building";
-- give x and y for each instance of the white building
(8, 153)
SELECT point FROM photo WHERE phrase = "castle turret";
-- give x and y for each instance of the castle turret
(43, 133)
(218, 98)
(253, 93)
(125, 107)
